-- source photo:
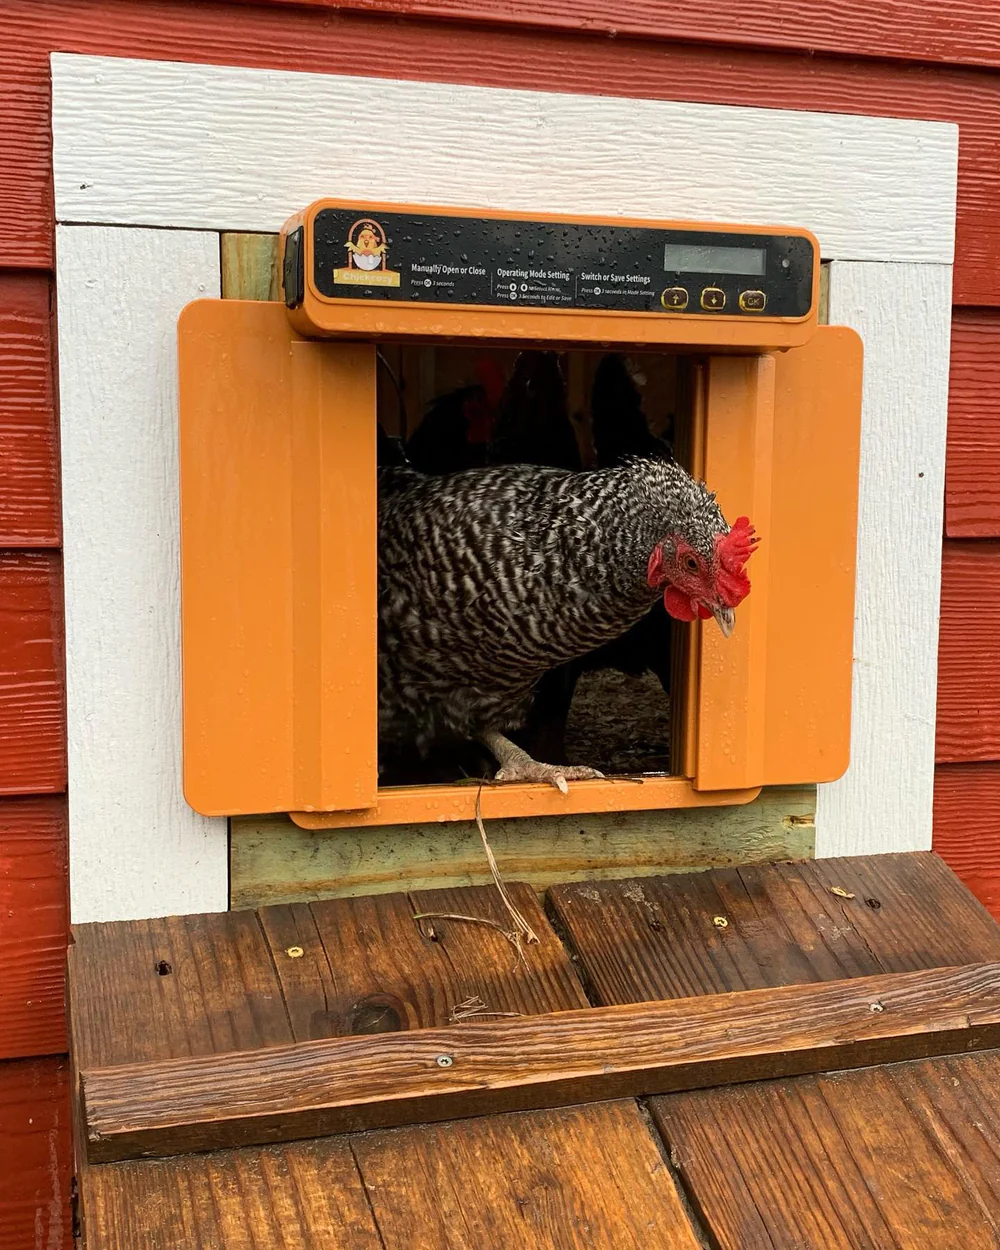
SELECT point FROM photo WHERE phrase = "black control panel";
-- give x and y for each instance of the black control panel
(437, 259)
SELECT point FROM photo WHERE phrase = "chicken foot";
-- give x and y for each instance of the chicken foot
(517, 765)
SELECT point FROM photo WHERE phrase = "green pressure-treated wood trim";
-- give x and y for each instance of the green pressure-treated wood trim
(274, 861)
(250, 266)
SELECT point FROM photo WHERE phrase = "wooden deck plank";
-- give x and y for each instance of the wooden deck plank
(334, 1085)
(904, 1156)
(658, 938)
(580, 1177)
(307, 1196)
(144, 990)
(365, 966)
(368, 967)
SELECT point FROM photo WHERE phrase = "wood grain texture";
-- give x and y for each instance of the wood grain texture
(658, 939)
(136, 849)
(967, 826)
(313, 1089)
(29, 457)
(250, 267)
(35, 1155)
(32, 701)
(576, 1178)
(34, 928)
(869, 188)
(313, 40)
(368, 967)
(884, 802)
(972, 499)
(962, 32)
(182, 985)
(274, 861)
(968, 713)
(903, 1155)
(196, 985)
(285, 1198)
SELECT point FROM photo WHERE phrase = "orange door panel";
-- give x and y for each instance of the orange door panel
(278, 563)
(782, 444)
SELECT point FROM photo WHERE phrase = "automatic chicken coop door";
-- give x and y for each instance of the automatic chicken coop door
(278, 425)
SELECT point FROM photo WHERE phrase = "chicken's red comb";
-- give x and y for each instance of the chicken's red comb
(734, 550)
(736, 547)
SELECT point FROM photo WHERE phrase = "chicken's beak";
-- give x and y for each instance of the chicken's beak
(726, 618)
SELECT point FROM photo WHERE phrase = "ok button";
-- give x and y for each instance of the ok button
(713, 298)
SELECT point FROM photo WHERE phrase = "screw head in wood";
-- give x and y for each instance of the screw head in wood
(444, 1061)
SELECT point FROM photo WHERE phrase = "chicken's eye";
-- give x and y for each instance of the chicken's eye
(691, 564)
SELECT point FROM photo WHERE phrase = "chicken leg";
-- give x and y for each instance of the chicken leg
(517, 765)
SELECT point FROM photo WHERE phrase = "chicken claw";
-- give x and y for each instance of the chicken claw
(517, 765)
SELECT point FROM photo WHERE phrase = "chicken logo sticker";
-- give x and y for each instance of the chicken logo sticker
(367, 253)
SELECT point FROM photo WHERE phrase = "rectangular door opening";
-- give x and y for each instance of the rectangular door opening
(443, 409)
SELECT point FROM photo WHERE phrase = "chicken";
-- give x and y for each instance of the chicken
(458, 427)
(618, 423)
(619, 430)
(533, 425)
(489, 578)
(389, 450)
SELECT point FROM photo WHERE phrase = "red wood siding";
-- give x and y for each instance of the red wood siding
(908, 29)
(968, 722)
(35, 1155)
(972, 495)
(33, 926)
(32, 748)
(967, 826)
(317, 39)
(29, 467)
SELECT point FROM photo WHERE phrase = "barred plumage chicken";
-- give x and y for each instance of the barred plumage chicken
(491, 577)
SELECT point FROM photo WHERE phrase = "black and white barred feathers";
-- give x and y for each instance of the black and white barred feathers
(490, 577)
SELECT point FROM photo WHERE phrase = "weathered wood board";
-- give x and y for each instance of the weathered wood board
(543, 1180)
(307, 1196)
(766, 925)
(902, 1155)
(274, 861)
(589, 1177)
(336, 1085)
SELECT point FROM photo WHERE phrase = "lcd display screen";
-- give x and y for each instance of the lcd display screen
(696, 258)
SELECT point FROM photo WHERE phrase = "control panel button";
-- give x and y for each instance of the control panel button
(713, 298)
(675, 297)
(753, 301)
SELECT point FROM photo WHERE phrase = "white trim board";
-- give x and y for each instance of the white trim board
(205, 149)
(885, 800)
(214, 148)
(136, 848)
